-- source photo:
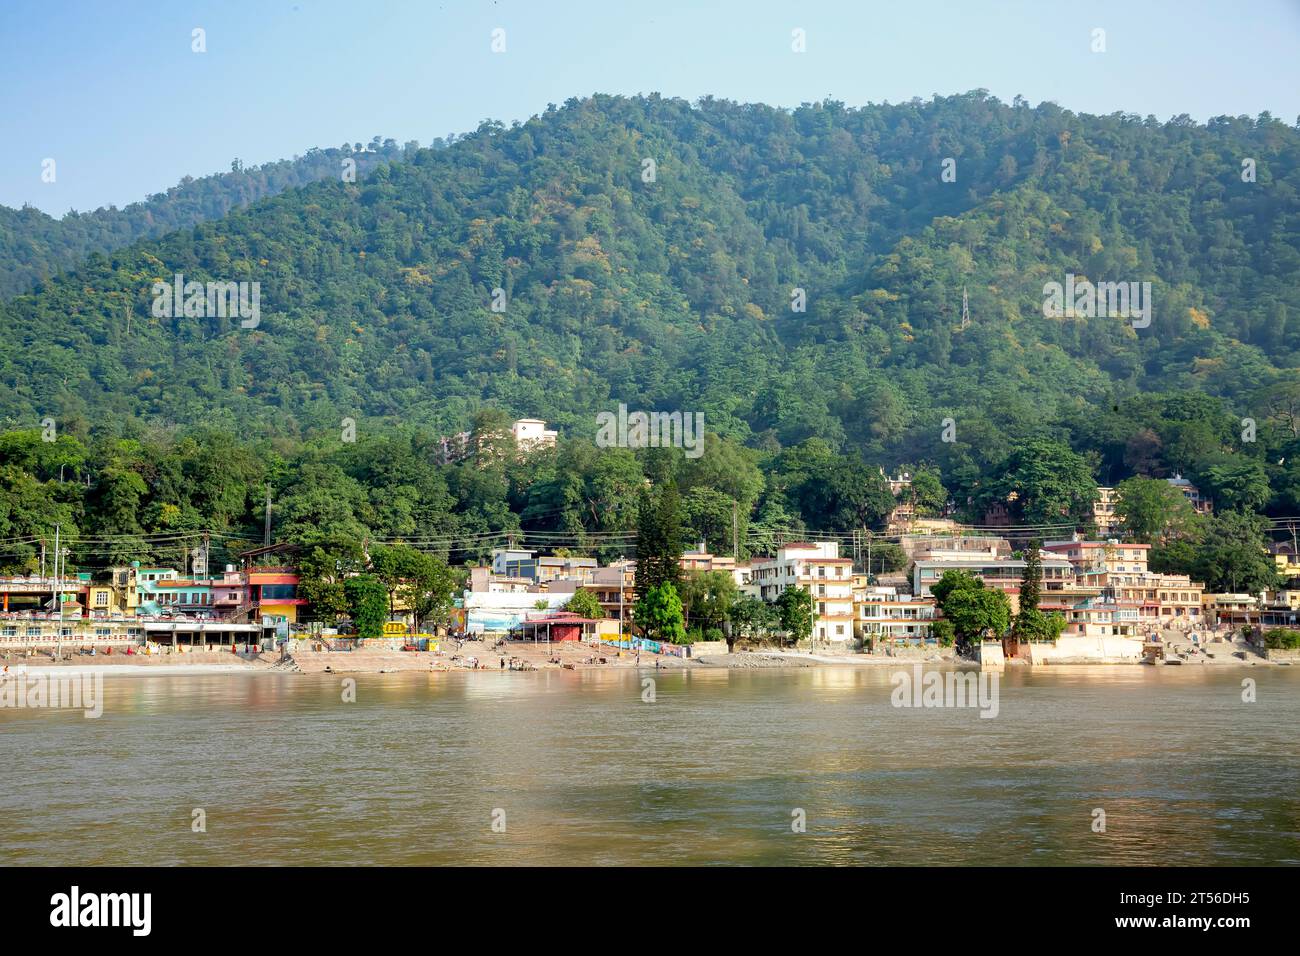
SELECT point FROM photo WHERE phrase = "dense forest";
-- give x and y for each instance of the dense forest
(35, 246)
(648, 251)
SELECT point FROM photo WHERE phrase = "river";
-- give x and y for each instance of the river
(563, 767)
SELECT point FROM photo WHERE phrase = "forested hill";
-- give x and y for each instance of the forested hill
(35, 246)
(675, 294)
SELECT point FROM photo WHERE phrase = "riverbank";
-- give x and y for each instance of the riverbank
(486, 656)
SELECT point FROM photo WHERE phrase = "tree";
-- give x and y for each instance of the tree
(1152, 511)
(1031, 624)
(752, 617)
(367, 601)
(843, 494)
(1044, 482)
(659, 614)
(323, 567)
(975, 611)
(422, 581)
(584, 603)
(659, 540)
(1235, 482)
(795, 606)
(928, 496)
(707, 597)
(1233, 557)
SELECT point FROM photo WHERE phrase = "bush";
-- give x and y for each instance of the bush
(1282, 639)
(714, 634)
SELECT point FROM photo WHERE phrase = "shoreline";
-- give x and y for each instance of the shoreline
(405, 662)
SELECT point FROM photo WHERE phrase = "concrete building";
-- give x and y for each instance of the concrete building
(525, 563)
(701, 560)
(1101, 555)
(1004, 573)
(819, 568)
(1193, 494)
(883, 616)
(1102, 617)
(532, 433)
(1103, 513)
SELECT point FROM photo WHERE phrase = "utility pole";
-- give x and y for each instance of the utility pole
(868, 556)
(58, 596)
(266, 534)
(735, 532)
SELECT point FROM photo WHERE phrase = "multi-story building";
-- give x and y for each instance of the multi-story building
(532, 433)
(1101, 555)
(273, 596)
(1162, 600)
(523, 563)
(1102, 617)
(904, 513)
(819, 568)
(1229, 608)
(615, 589)
(1200, 502)
(1103, 513)
(701, 560)
(985, 563)
(743, 575)
(883, 616)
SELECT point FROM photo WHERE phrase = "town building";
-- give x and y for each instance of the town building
(1101, 555)
(819, 568)
(1103, 513)
(532, 434)
(1102, 617)
(984, 558)
(883, 616)
(701, 560)
(1200, 502)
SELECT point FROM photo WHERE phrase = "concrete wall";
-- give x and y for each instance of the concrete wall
(910, 652)
(1100, 650)
(991, 657)
(708, 647)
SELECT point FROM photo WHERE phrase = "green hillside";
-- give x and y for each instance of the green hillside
(676, 294)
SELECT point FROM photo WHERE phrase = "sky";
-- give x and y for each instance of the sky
(115, 94)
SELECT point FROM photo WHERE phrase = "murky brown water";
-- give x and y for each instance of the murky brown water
(587, 773)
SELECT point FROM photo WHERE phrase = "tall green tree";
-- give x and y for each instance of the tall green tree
(795, 606)
(367, 601)
(659, 539)
(659, 614)
(1152, 511)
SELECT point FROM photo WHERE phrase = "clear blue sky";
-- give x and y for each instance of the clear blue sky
(113, 93)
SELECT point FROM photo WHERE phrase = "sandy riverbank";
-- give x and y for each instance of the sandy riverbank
(481, 656)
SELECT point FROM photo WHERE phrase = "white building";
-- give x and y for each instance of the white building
(885, 616)
(531, 433)
(819, 568)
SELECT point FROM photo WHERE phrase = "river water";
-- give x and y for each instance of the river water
(562, 767)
